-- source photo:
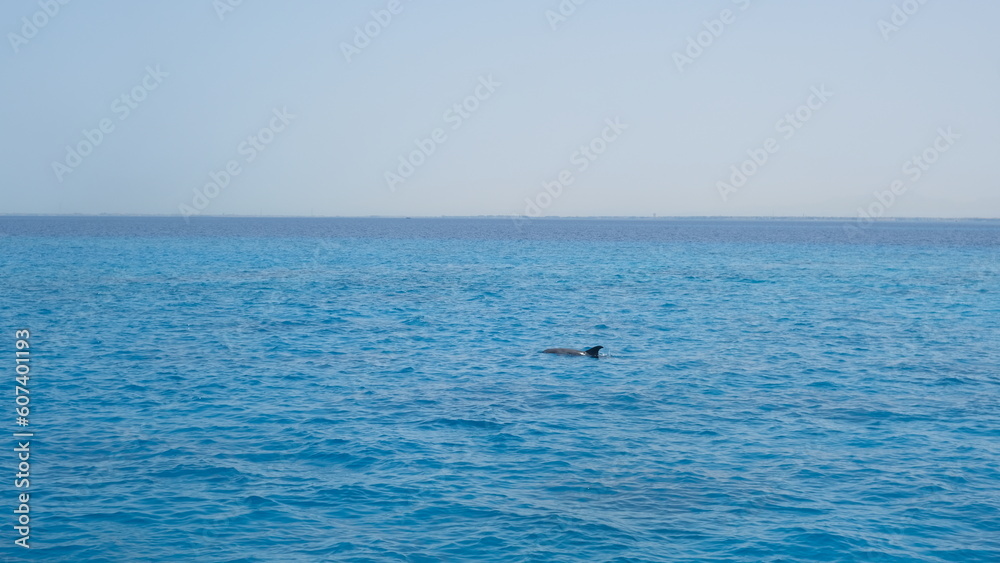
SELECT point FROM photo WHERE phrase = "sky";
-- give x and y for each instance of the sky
(880, 108)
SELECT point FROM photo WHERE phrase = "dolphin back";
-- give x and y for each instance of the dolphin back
(592, 352)
(564, 351)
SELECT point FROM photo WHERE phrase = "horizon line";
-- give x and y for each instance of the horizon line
(515, 217)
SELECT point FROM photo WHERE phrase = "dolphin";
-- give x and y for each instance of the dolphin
(592, 352)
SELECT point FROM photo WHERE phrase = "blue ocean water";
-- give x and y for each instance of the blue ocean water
(372, 389)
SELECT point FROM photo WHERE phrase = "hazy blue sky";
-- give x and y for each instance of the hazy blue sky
(339, 110)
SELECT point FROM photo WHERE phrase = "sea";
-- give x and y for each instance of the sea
(373, 389)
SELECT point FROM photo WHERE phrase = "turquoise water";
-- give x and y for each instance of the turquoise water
(372, 390)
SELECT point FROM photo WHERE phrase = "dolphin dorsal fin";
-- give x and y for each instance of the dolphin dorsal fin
(593, 351)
